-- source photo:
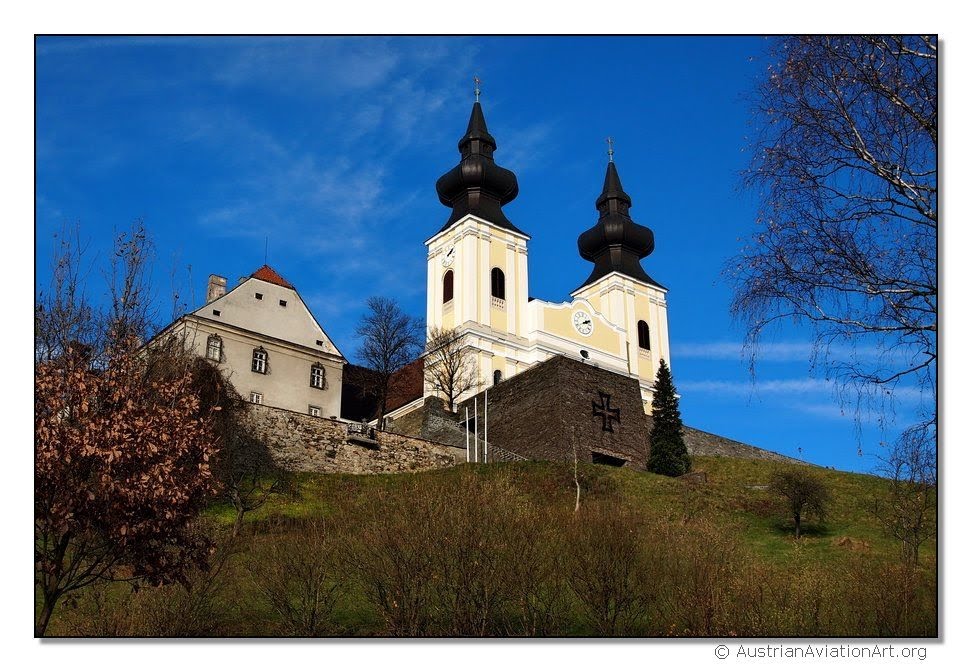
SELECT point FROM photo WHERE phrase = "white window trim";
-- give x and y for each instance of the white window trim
(214, 342)
(259, 360)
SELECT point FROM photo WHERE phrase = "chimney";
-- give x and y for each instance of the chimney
(216, 288)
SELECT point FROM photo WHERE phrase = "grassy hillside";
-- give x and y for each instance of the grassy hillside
(498, 550)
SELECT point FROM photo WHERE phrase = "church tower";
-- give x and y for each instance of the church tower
(477, 279)
(619, 288)
(477, 262)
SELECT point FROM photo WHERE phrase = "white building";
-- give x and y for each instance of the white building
(267, 343)
(478, 279)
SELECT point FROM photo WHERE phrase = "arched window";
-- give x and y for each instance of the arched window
(260, 360)
(644, 340)
(447, 287)
(317, 376)
(214, 348)
(497, 283)
(497, 376)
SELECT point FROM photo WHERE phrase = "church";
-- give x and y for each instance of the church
(478, 280)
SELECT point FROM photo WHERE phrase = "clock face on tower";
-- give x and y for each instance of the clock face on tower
(583, 323)
(449, 257)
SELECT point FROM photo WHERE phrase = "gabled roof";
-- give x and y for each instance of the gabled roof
(247, 310)
(267, 274)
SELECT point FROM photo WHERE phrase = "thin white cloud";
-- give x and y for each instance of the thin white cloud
(745, 388)
(525, 148)
(329, 66)
(793, 351)
(788, 387)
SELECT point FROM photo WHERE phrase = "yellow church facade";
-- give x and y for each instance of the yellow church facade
(478, 280)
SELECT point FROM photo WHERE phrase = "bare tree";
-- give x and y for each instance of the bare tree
(845, 167)
(450, 368)
(300, 581)
(63, 315)
(803, 493)
(907, 511)
(390, 339)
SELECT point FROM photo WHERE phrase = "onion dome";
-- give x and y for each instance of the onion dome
(616, 243)
(477, 186)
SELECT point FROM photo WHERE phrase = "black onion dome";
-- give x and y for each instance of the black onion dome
(477, 186)
(616, 242)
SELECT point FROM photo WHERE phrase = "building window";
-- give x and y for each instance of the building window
(259, 296)
(259, 361)
(317, 376)
(216, 313)
(314, 411)
(497, 283)
(497, 376)
(256, 398)
(644, 340)
(320, 343)
(214, 348)
(283, 303)
(447, 291)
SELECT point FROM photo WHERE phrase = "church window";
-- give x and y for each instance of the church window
(497, 376)
(447, 291)
(644, 340)
(259, 364)
(497, 283)
(214, 348)
(317, 376)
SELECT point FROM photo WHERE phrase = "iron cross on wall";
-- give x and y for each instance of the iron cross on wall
(606, 413)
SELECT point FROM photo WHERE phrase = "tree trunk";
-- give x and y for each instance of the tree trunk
(576, 482)
(45, 616)
(380, 424)
(238, 523)
(796, 519)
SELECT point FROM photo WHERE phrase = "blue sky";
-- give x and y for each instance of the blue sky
(329, 148)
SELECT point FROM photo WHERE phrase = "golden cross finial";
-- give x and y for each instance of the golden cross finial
(477, 82)
(610, 142)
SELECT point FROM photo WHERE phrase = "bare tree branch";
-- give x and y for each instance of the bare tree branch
(845, 166)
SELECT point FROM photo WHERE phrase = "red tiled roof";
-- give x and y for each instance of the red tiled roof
(267, 274)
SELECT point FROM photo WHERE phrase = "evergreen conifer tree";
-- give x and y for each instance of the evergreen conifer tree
(668, 455)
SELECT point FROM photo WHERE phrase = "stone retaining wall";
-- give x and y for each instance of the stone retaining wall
(303, 443)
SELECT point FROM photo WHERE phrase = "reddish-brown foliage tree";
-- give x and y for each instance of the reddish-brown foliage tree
(122, 469)
(122, 445)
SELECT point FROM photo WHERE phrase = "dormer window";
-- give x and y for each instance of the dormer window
(317, 376)
(214, 348)
(260, 361)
